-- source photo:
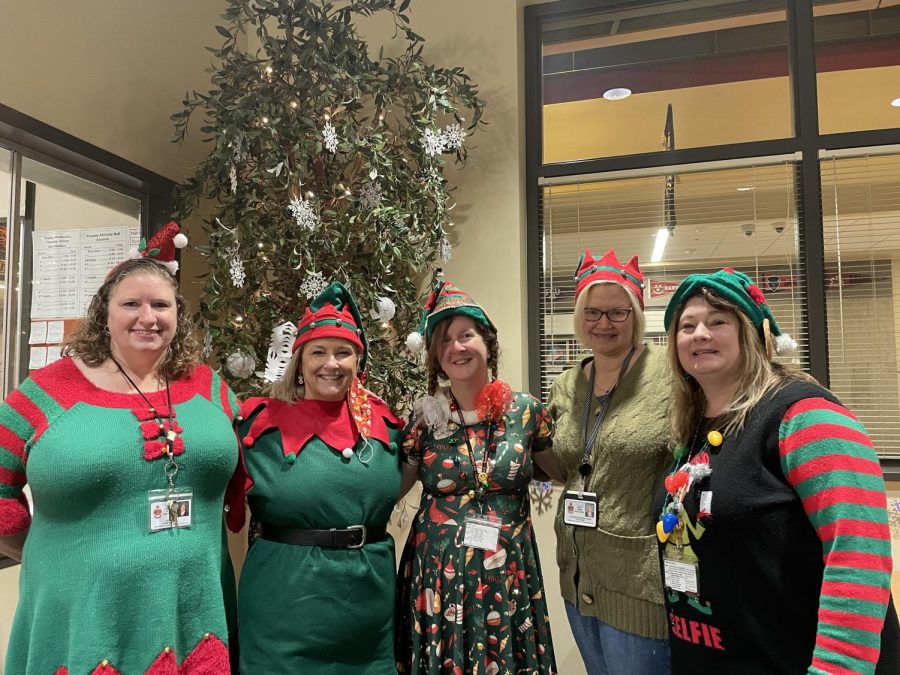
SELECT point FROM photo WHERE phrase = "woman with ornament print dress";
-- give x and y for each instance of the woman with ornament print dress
(320, 471)
(774, 541)
(110, 439)
(471, 596)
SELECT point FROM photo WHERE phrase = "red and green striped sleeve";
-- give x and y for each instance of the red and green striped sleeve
(20, 419)
(828, 457)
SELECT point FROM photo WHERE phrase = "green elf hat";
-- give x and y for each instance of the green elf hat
(333, 314)
(445, 300)
(739, 289)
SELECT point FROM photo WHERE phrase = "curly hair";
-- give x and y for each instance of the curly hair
(91, 342)
(436, 343)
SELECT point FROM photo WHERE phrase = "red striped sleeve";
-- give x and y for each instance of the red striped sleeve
(823, 441)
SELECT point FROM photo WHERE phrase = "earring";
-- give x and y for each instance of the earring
(300, 380)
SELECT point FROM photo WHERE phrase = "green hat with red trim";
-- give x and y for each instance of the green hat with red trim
(445, 300)
(738, 289)
(333, 314)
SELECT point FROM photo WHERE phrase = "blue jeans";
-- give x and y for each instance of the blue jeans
(609, 651)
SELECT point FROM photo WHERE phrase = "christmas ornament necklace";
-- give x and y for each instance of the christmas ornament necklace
(481, 477)
(585, 467)
(679, 482)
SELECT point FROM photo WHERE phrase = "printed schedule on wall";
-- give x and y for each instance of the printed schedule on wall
(70, 265)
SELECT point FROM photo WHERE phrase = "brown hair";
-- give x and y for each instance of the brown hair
(436, 342)
(91, 344)
(757, 376)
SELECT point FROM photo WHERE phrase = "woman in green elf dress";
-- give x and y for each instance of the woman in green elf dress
(320, 471)
(111, 439)
(471, 597)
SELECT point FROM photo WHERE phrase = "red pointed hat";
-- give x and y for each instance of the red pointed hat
(333, 314)
(608, 268)
(160, 248)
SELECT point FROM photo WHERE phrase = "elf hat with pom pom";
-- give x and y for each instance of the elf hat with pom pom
(739, 289)
(445, 300)
(608, 269)
(333, 314)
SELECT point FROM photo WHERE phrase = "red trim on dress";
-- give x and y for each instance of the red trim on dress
(209, 657)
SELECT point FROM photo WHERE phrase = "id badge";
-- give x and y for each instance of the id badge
(481, 533)
(580, 508)
(681, 576)
(170, 509)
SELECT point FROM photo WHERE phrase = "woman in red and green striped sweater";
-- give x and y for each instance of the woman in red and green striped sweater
(774, 539)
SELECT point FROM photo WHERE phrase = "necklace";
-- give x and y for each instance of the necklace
(480, 478)
(679, 482)
(589, 437)
(170, 435)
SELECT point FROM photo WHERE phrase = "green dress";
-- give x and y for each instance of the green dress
(464, 610)
(306, 609)
(98, 592)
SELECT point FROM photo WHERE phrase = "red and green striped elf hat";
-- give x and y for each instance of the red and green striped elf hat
(333, 314)
(608, 268)
(445, 300)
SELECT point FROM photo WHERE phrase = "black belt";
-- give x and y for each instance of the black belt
(354, 536)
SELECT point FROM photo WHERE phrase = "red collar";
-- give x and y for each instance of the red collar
(299, 421)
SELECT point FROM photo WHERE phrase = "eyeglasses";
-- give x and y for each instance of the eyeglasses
(617, 315)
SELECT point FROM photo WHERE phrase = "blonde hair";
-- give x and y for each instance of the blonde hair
(287, 388)
(640, 323)
(757, 376)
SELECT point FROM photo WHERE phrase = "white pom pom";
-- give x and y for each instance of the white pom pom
(180, 240)
(172, 266)
(785, 344)
(415, 342)
(386, 309)
(133, 253)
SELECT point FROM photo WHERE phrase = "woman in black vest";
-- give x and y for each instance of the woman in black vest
(775, 547)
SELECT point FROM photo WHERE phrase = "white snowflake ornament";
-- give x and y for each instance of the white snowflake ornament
(453, 136)
(232, 176)
(279, 354)
(370, 196)
(432, 142)
(312, 285)
(445, 250)
(304, 214)
(207, 346)
(329, 137)
(236, 269)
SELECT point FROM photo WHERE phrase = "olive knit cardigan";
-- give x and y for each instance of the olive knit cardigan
(612, 571)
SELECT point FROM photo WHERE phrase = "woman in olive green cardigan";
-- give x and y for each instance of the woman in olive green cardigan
(609, 571)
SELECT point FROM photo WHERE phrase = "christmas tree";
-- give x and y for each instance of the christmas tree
(327, 163)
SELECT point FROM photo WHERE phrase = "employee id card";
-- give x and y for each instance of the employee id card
(481, 532)
(170, 509)
(681, 576)
(580, 508)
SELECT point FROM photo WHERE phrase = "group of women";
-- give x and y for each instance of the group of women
(719, 512)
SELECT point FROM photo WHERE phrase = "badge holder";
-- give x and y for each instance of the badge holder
(481, 532)
(681, 576)
(170, 508)
(580, 508)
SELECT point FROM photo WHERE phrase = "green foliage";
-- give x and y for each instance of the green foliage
(265, 117)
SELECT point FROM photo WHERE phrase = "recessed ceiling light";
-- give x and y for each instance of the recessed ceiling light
(616, 93)
(895, 102)
(746, 188)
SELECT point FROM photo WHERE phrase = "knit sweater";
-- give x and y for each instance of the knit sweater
(795, 556)
(611, 571)
(98, 592)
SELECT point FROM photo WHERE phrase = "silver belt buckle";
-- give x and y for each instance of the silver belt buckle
(362, 529)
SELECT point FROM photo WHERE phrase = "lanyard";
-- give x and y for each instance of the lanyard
(585, 468)
(480, 478)
(171, 468)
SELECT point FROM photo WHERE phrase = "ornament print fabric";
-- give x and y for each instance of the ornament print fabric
(463, 609)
